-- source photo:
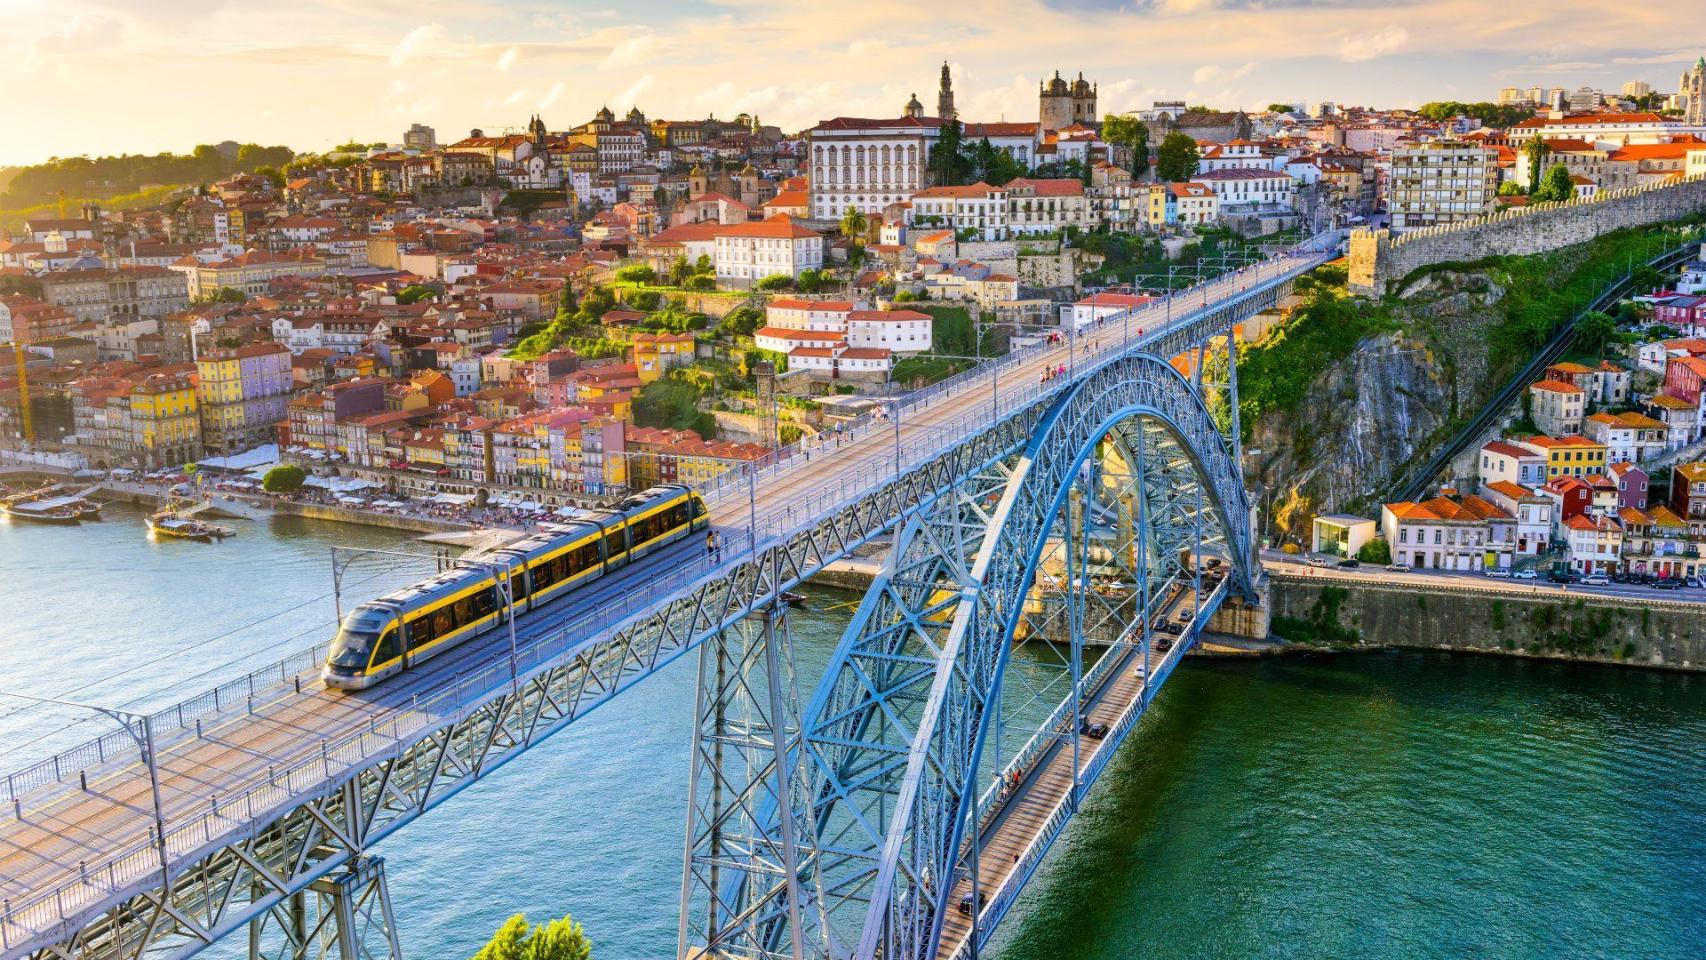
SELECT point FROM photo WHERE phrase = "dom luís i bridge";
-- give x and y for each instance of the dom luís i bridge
(896, 810)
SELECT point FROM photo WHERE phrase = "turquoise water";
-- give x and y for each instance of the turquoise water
(1382, 806)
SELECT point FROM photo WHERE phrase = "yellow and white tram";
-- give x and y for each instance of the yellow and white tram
(393, 633)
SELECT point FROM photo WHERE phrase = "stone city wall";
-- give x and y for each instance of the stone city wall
(1378, 258)
(1536, 619)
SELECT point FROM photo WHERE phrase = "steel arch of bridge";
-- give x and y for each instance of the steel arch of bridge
(266, 839)
(894, 736)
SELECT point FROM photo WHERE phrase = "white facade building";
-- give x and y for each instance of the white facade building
(978, 208)
(748, 252)
(867, 164)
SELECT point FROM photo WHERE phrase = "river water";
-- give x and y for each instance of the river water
(1373, 806)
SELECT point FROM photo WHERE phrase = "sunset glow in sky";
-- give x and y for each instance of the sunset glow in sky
(114, 76)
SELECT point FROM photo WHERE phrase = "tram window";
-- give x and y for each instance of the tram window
(386, 648)
(464, 611)
(485, 602)
(443, 622)
(420, 631)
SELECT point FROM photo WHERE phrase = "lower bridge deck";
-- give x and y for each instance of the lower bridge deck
(1026, 822)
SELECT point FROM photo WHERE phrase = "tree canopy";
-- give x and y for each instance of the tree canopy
(557, 940)
(1556, 185)
(127, 173)
(1177, 158)
(1491, 114)
(1131, 133)
(284, 478)
(1534, 150)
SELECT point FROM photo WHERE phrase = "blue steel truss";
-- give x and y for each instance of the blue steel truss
(895, 733)
(892, 738)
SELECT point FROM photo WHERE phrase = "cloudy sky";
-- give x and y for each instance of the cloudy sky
(110, 76)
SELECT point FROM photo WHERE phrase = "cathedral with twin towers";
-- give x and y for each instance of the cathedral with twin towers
(1060, 102)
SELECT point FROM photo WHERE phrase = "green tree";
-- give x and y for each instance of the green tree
(1279, 108)
(1131, 133)
(1556, 185)
(741, 322)
(284, 478)
(776, 281)
(1595, 331)
(1534, 149)
(673, 402)
(1510, 188)
(811, 280)
(224, 295)
(1177, 158)
(637, 273)
(415, 292)
(1375, 551)
(560, 939)
(853, 225)
(679, 271)
(947, 163)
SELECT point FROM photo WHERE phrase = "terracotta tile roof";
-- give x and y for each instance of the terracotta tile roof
(1515, 491)
(1554, 386)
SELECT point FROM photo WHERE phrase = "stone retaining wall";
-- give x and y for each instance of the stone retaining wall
(1379, 258)
(1519, 619)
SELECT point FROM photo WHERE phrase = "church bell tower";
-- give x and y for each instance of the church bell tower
(945, 96)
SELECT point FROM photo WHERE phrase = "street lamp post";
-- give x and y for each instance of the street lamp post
(143, 736)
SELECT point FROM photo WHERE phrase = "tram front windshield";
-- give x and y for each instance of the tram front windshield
(354, 643)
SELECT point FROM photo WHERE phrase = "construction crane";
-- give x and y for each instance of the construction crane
(24, 419)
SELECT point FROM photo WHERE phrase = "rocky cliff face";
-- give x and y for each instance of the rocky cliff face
(1392, 399)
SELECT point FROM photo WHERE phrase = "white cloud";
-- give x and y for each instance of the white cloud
(419, 42)
(552, 95)
(508, 57)
(631, 96)
(1213, 72)
(639, 49)
(1357, 49)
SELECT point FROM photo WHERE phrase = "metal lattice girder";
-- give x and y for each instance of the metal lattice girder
(302, 820)
(345, 916)
(749, 884)
(895, 731)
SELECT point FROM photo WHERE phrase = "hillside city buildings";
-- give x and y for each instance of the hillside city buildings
(511, 309)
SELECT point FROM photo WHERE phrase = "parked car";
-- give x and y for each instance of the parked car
(1350, 563)
(1525, 575)
(1499, 573)
(1596, 580)
(1562, 576)
(1696, 582)
(1399, 567)
(1316, 561)
(1666, 583)
(965, 902)
(1095, 731)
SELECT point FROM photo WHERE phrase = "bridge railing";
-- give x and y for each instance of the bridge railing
(1056, 724)
(1028, 859)
(777, 521)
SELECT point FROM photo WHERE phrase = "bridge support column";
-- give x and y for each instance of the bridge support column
(346, 916)
(748, 885)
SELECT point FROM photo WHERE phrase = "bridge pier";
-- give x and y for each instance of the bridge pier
(1238, 617)
(748, 876)
(345, 916)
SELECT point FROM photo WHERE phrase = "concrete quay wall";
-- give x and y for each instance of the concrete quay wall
(1523, 620)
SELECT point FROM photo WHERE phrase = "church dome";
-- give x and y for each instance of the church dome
(1057, 86)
